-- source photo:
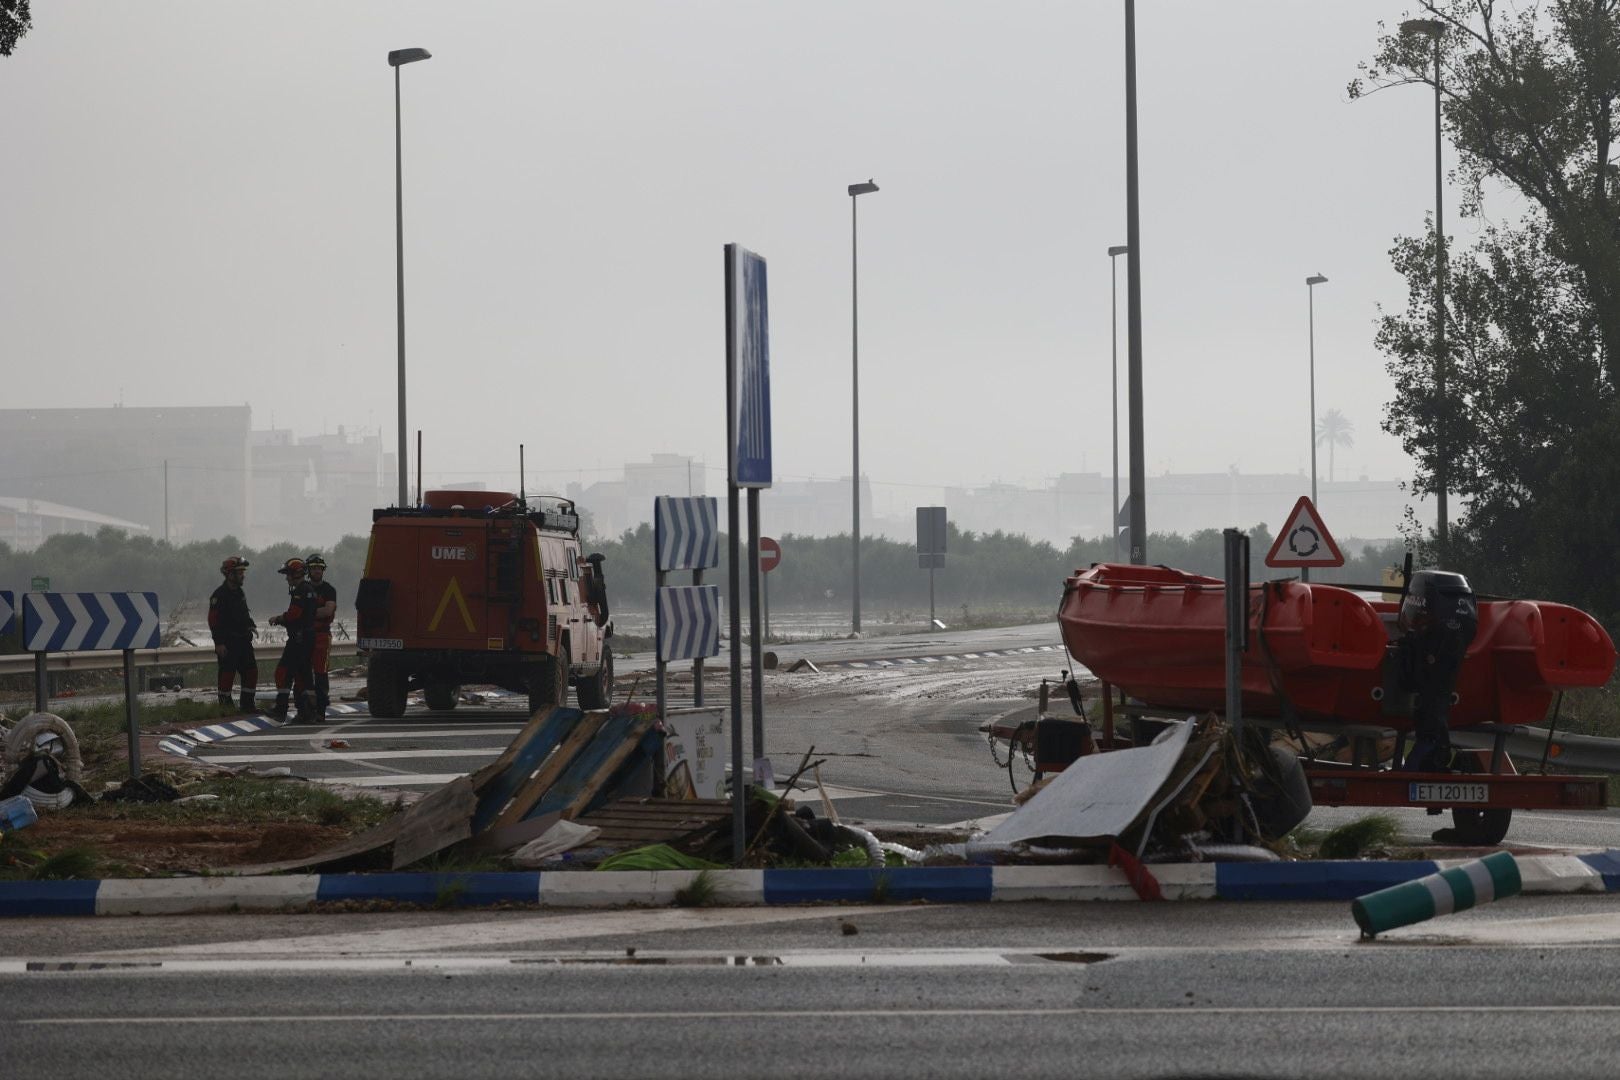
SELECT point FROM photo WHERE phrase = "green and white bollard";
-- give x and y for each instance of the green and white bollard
(1456, 889)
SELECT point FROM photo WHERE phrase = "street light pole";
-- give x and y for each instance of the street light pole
(1310, 291)
(1133, 301)
(855, 192)
(1434, 30)
(1113, 337)
(397, 59)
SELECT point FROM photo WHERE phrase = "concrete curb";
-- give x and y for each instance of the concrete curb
(1596, 873)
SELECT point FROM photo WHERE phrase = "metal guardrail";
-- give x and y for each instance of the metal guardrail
(23, 663)
(1590, 753)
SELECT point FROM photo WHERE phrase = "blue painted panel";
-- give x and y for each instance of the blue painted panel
(544, 738)
(938, 883)
(590, 757)
(1313, 880)
(459, 890)
(1606, 863)
(748, 383)
(48, 897)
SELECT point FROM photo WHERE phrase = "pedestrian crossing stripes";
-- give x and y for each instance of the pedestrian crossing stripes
(907, 661)
(688, 622)
(686, 533)
(68, 622)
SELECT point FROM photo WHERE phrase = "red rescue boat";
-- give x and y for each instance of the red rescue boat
(1159, 634)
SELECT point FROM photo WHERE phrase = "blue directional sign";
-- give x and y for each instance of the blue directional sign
(686, 533)
(8, 611)
(688, 622)
(67, 622)
(748, 369)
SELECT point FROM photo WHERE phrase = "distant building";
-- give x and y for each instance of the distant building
(27, 523)
(613, 506)
(316, 489)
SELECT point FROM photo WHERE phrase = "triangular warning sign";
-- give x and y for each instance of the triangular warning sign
(1304, 540)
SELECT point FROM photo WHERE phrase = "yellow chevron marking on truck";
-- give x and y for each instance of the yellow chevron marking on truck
(452, 590)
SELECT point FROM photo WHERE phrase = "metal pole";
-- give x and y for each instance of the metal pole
(661, 667)
(131, 708)
(42, 684)
(399, 252)
(165, 500)
(1133, 294)
(1237, 623)
(756, 663)
(419, 466)
(1440, 471)
(1310, 291)
(1113, 337)
(765, 592)
(739, 779)
(855, 413)
(931, 616)
(697, 664)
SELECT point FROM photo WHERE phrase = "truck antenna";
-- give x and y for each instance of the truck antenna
(523, 498)
(418, 466)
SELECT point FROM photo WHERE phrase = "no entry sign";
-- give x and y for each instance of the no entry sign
(770, 554)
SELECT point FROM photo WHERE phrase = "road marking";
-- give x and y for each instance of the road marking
(797, 1016)
(368, 733)
(392, 779)
(354, 755)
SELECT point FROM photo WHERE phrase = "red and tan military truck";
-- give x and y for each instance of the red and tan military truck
(482, 587)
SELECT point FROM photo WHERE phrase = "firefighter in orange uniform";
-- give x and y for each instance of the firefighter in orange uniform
(324, 614)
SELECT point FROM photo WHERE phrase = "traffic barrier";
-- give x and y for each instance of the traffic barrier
(1455, 889)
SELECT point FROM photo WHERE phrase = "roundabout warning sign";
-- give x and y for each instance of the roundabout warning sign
(1304, 540)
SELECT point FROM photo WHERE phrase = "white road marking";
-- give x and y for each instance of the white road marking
(368, 733)
(351, 755)
(389, 779)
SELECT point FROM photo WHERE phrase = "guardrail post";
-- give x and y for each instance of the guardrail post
(42, 685)
(131, 708)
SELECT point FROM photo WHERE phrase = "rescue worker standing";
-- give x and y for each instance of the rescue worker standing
(232, 628)
(324, 615)
(299, 622)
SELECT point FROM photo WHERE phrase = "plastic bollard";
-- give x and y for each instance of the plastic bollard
(16, 813)
(1457, 889)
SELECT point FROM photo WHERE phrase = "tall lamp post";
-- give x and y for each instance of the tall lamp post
(1113, 336)
(1133, 298)
(1434, 30)
(397, 59)
(855, 192)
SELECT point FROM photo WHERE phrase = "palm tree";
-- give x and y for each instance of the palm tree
(1335, 429)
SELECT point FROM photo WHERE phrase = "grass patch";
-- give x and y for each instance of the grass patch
(701, 891)
(247, 800)
(20, 862)
(1350, 840)
(454, 861)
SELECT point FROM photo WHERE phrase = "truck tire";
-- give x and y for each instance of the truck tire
(596, 692)
(441, 697)
(548, 683)
(386, 682)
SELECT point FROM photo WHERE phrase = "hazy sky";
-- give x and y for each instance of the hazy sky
(199, 209)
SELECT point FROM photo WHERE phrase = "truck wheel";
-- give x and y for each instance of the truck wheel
(441, 697)
(386, 681)
(596, 692)
(548, 683)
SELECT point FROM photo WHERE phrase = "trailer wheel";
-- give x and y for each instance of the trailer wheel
(386, 683)
(596, 692)
(548, 683)
(1476, 828)
(441, 697)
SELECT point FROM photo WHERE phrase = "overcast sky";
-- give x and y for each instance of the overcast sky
(198, 209)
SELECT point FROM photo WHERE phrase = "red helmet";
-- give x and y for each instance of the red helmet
(232, 563)
(292, 566)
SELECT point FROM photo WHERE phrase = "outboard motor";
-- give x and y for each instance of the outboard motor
(1438, 621)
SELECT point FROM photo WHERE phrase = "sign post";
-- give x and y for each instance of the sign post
(748, 448)
(70, 622)
(931, 550)
(770, 557)
(1304, 541)
(1237, 623)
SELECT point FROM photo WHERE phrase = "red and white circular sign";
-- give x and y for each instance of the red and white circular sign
(770, 554)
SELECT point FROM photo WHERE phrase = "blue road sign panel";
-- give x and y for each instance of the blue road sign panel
(748, 368)
(686, 532)
(688, 622)
(8, 611)
(66, 622)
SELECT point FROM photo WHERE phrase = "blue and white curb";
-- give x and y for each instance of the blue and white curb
(1593, 873)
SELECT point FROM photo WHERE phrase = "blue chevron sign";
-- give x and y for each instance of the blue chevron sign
(688, 622)
(68, 622)
(686, 533)
(8, 611)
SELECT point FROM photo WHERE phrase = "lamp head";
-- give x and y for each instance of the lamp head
(401, 57)
(1316, 279)
(1119, 249)
(862, 189)
(1429, 28)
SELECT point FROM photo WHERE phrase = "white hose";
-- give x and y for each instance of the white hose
(1234, 853)
(874, 846)
(20, 743)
